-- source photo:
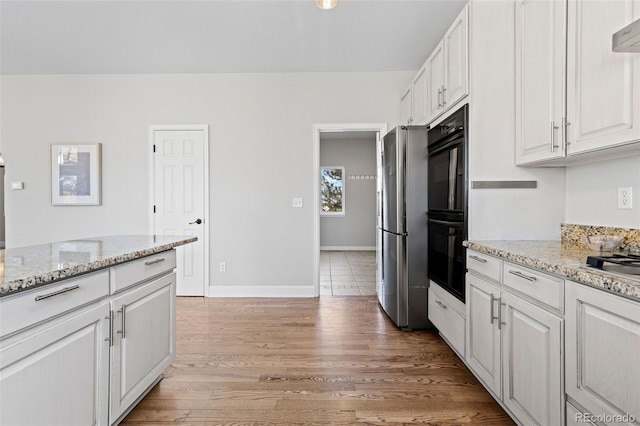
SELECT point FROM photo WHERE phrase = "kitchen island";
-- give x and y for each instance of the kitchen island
(86, 327)
(553, 340)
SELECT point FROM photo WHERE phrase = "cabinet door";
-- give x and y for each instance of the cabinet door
(603, 98)
(145, 340)
(456, 60)
(602, 346)
(405, 106)
(532, 362)
(59, 374)
(540, 77)
(435, 82)
(483, 335)
(418, 92)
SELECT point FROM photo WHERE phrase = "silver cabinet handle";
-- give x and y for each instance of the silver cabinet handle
(444, 101)
(521, 275)
(442, 305)
(566, 124)
(478, 259)
(491, 312)
(124, 313)
(110, 338)
(553, 136)
(500, 305)
(55, 293)
(153, 262)
(439, 93)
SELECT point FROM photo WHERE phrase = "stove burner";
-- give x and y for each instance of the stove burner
(625, 264)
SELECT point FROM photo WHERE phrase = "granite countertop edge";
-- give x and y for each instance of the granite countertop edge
(36, 280)
(568, 267)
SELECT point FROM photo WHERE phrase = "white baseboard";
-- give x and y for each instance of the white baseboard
(348, 248)
(262, 291)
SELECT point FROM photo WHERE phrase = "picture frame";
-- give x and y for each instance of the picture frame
(76, 171)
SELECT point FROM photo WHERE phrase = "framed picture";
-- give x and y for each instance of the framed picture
(75, 174)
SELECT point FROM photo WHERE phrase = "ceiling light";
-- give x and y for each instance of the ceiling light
(326, 4)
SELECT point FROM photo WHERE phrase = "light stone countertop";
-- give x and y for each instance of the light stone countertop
(565, 260)
(28, 267)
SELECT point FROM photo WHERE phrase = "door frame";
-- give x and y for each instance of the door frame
(317, 129)
(152, 184)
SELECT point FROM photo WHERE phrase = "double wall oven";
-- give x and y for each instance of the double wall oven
(447, 195)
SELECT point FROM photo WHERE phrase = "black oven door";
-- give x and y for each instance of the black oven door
(446, 187)
(447, 264)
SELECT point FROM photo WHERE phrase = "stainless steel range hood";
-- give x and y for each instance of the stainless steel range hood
(628, 38)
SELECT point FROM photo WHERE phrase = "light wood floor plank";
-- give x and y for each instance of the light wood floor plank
(335, 360)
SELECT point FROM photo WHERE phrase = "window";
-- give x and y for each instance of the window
(332, 191)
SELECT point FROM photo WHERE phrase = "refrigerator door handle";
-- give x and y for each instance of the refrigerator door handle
(400, 234)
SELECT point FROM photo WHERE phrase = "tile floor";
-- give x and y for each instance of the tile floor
(347, 273)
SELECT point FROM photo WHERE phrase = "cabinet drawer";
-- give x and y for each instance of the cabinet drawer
(129, 273)
(446, 318)
(35, 306)
(541, 287)
(484, 264)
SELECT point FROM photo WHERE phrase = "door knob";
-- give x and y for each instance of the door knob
(197, 222)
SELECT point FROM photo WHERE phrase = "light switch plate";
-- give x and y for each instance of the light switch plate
(297, 202)
(17, 185)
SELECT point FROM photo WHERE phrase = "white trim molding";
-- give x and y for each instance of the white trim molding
(261, 291)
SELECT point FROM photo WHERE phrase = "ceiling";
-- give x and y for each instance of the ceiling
(218, 36)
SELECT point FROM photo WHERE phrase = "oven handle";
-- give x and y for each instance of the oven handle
(446, 222)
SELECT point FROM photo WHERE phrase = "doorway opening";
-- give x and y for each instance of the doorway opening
(346, 202)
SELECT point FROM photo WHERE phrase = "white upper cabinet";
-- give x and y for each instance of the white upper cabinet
(418, 95)
(540, 78)
(603, 93)
(435, 69)
(443, 80)
(456, 48)
(405, 107)
(448, 79)
(574, 95)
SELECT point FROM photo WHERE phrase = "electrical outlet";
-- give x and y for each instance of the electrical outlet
(297, 202)
(624, 198)
(223, 266)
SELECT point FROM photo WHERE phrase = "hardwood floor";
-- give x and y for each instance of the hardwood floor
(335, 360)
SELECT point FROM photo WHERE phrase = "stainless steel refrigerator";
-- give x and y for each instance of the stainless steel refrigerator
(404, 283)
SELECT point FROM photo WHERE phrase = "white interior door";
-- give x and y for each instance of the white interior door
(180, 199)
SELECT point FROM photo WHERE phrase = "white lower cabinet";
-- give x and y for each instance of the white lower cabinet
(531, 362)
(515, 348)
(72, 354)
(483, 336)
(447, 314)
(144, 341)
(602, 356)
(58, 373)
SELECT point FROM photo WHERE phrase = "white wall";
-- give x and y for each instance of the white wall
(592, 193)
(358, 227)
(261, 152)
(503, 213)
